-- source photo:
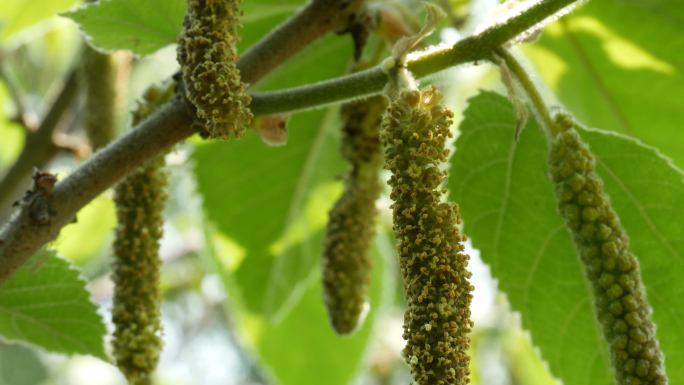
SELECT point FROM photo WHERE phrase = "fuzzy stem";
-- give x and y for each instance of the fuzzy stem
(372, 81)
(314, 21)
(23, 236)
(39, 147)
(539, 105)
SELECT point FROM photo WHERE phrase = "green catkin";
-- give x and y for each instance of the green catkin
(207, 55)
(437, 322)
(100, 116)
(619, 294)
(346, 261)
(140, 199)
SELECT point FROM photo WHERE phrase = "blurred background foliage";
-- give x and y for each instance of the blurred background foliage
(244, 224)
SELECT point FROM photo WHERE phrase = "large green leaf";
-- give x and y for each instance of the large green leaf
(303, 348)
(617, 64)
(142, 27)
(273, 201)
(16, 15)
(509, 211)
(49, 306)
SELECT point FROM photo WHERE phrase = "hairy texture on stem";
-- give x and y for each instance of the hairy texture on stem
(373, 80)
(140, 200)
(314, 21)
(206, 53)
(346, 262)
(437, 321)
(620, 296)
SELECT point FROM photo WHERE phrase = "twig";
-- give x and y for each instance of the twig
(372, 81)
(24, 235)
(311, 23)
(39, 147)
(539, 106)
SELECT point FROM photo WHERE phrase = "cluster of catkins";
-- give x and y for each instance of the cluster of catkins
(620, 296)
(140, 199)
(346, 261)
(436, 284)
(207, 55)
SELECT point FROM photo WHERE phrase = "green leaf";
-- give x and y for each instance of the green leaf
(274, 201)
(49, 306)
(143, 27)
(618, 65)
(16, 15)
(312, 349)
(509, 211)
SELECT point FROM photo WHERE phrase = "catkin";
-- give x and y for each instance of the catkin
(99, 75)
(140, 199)
(437, 322)
(346, 261)
(207, 55)
(619, 294)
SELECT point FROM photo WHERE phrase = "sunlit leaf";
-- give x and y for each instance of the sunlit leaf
(509, 211)
(618, 65)
(16, 15)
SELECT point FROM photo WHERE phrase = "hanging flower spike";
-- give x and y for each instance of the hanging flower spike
(620, 296)
(346, 262)
(437, 322)
(206, 53)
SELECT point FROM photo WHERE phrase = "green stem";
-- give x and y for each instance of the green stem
(372, 81)
(539, 105)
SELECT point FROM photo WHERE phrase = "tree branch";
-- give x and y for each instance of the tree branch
(373, 80)
(24, 235)
(39, 147)
(173, 123)
(311, 23)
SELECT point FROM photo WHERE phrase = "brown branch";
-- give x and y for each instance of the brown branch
(311, 23)
(24, 235)
(39, 147)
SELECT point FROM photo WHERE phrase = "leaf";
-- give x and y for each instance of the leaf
(16, 15)
(274, 201)
(617, 65)
(509, 211)
(305, 337)
(51, 308)
(143, 27)
(434, 15)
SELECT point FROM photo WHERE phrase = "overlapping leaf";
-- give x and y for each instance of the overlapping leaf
(618, 65)
(509, 211)
(49, 306)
